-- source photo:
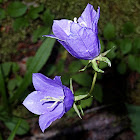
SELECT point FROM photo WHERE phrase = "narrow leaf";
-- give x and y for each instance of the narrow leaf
(37, 63)
(12, 135)
(3, 88)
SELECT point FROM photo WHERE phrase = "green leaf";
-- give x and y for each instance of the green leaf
(34, 11)
(21, 130)
(98, 93)
(13, 133)
(128, 28)
(37, 34)
(3, 88)
(38, 62)
(109, 31)
(47, 18)
(15, 67)
(121, 68)
(19, 23)
(125, 46)
(136, 46)
(16, 9)
(29, 61)
(83, 79)
(2, 13)
(75, 66)
(6, 68)
(12, 84)
(134, 63)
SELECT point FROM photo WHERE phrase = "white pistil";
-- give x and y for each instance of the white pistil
(53, 99)
(75, 20)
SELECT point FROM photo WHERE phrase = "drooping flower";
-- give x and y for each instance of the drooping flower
(80, 38)
(50, 100)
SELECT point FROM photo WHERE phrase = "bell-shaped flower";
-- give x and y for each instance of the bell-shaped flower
(50, 100)
(80, 38)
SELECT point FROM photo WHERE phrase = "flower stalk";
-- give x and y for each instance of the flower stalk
(93, 83)
(83, 97)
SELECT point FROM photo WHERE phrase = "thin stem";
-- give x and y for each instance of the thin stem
(93, 83)
(83, 97)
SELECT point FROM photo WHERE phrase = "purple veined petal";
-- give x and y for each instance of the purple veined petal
(34, 103)
(95, 21)
(85, 43)
(45, 120)
(69, 98)
(75, 28)
(99, 46)
(43, 83)
(61, 28)
(57, 79)
(87, 16)
(52, 36)
(68, 48)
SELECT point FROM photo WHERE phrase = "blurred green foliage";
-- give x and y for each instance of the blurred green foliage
(13, 87)
(36, 20)
(22, 20)
(134, 113)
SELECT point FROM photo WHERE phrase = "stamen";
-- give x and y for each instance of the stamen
(75, 20)
(53, 104)
(53, 99)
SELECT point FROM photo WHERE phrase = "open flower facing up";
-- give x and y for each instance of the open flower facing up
(80, 38)
(50, 100)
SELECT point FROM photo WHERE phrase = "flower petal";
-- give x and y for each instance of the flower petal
(68, 48)
(69, 98)
(34, 103)
(95, 22)
(84, 42)
(43, 83)
(45, 120)
(61, 28)
(89, 16)
(57, 79)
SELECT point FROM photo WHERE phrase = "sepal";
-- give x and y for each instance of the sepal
(82, 112)
(99, 58)
(85, 66)
(95, 66)
(76, 110)
(80, 97)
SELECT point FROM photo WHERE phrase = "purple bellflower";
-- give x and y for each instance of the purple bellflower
(80, 38)
(50, 100)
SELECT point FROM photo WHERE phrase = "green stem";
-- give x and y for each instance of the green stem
(93, 83)
(83, 97)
